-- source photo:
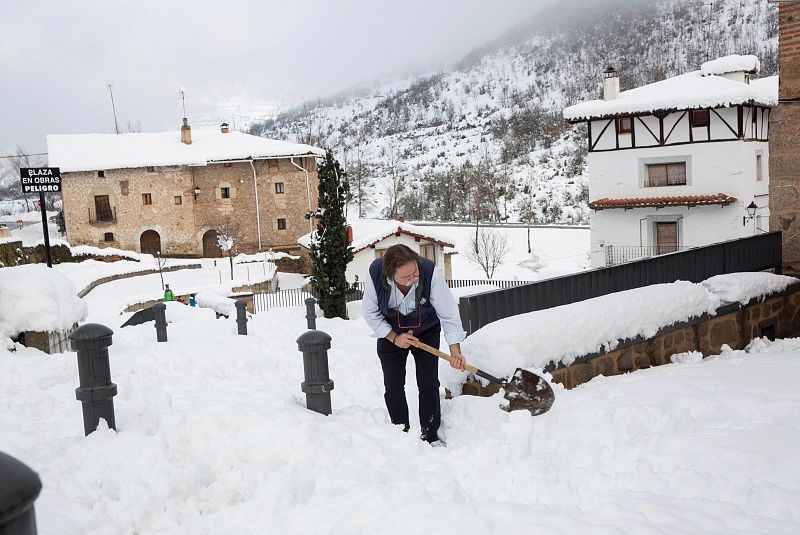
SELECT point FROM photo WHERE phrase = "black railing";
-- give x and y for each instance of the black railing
(756, 253)
(620, 254)
(102, 214)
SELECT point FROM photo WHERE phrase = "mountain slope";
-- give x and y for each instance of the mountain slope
(486, 140)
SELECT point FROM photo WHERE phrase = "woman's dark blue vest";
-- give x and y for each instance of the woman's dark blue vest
(424, 315)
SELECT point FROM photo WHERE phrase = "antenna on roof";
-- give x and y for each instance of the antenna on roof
(182, 92)
(113, 108)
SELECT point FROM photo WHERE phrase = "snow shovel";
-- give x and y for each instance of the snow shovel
(524, 391)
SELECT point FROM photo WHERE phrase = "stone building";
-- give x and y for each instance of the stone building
(174, 192)
(784, 145)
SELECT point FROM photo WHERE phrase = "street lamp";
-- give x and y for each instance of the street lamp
(196, 192)
(751, 214)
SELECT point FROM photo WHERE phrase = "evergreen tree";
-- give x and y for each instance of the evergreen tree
(330, 252)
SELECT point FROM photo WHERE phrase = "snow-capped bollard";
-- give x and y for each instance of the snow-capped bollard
(160, 313)
(241, 317)
(20, 488)
(311, 313)
(96, 391)
(318, 385)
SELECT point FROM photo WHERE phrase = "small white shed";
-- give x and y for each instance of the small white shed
(371, 238)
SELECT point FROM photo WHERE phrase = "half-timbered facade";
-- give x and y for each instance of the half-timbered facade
(675, 164)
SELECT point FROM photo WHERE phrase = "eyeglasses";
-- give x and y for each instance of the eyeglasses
(407, 280)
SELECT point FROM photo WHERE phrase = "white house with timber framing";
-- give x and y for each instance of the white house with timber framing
(676, 164)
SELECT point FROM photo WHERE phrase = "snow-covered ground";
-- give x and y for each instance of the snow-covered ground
(213, 437)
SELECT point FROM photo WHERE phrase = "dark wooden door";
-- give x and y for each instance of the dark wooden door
(150, 242)
(667, 237)
(211, 245)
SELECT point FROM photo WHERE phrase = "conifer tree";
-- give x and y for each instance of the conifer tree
(330, 252)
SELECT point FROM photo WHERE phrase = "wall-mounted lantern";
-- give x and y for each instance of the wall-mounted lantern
(751, 212)
(196, 192)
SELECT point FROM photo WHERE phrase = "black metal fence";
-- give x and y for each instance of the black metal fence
(756, 253)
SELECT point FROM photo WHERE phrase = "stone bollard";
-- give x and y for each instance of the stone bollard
(160, 313)
(96, 391)
(20, 488)
(311, 313)
(241, 317)
(318, 385)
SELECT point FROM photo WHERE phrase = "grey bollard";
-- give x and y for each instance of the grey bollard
(318, 385)
(20, 488)
(311, 313)
(241, 317)
(160, 313)
(96, 391)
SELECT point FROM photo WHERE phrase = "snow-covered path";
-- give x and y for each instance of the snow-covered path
(213, 437)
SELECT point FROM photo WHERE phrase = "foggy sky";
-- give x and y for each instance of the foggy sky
(235, 59)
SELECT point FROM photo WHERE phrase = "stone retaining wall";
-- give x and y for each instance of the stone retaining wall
(778, 316)
(112, 278)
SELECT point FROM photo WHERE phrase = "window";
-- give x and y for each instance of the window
(281, 224)
(108, 236)
(278, 187)
(759, 171)
(147, 199)
(700, 117)
(178, 199)
(227, 164)
(624, 125)
(272, 164)
(666, 174)
(150, 169)
(101, 174)
(225, 193)
(428, 251)
(102, 208)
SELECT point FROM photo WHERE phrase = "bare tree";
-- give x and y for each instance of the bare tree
(227, 237)
(21, 159)
(488, 250)
(394, 181)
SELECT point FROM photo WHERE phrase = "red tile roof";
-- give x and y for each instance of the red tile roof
(661, 202)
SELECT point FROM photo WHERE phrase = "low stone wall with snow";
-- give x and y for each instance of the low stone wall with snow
(735, 325)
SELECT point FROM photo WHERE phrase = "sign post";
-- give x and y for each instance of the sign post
(40, 180)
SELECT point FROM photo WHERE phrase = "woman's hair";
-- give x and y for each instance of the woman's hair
(396, 256)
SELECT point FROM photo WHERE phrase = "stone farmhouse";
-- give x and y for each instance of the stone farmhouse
(678, 163)
(174, 192)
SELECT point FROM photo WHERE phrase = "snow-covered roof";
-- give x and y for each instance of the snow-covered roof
(732, 63)
(367, 232)
(90, 152)
(694, 90)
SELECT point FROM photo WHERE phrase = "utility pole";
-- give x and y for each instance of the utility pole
(113, 108)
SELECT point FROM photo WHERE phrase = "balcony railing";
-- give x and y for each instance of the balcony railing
(622, 254)
(663, 183)
(103, 215)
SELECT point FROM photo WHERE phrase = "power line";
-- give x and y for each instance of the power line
(24, 155)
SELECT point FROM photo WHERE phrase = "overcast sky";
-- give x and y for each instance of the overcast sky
(235, 59)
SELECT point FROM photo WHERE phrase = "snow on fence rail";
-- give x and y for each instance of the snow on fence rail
(297, 297)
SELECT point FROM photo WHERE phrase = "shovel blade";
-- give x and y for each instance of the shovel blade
(527, 391)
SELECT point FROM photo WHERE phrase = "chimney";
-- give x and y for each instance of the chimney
(186, 132)
(224, 128)
(610, 84)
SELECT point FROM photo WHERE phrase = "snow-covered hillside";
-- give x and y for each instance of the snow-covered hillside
(487, 139)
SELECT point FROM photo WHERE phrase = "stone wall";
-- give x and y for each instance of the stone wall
(778, 316)
(784, 136)
(179, 218)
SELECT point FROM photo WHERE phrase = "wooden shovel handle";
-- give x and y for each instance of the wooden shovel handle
(445, 356)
